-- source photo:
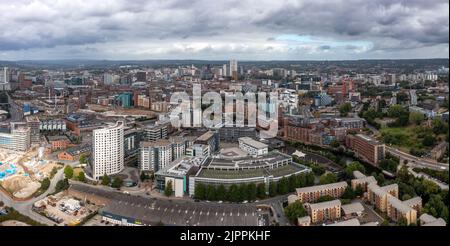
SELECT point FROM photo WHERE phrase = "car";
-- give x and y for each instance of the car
(196, 200)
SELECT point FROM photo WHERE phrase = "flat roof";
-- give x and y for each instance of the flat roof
(351, 222)
(323, 205)
(351, 208)
(253, 143)
(207, 135)
(321, 187)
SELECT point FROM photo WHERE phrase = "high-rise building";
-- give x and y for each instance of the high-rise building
(108, 150)
(225, 72)
(234, 69)
(17, 140)
(34, 124)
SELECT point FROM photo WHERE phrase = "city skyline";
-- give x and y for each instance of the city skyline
(282, 30)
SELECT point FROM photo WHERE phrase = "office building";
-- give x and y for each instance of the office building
(253, 147)
(108, 150)
(234, 69)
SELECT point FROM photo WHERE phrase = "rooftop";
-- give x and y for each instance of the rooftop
(321, 187)
(253, 143)
(324, 205)
(352, 208)
(351, 222)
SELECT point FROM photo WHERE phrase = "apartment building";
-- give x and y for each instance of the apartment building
(108, 150)
(386, 200)
(313, 193)
(362, 180)
(366, 147)
(323, 211)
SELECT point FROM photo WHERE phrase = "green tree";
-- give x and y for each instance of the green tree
(328, 178)
(84, 159)
(68, 172)
(233, 193)
(200, 191)
(349, 193)
(261, 191)
(402, 222)
(359, 191)
(335, 144)
(117, 182)
(354, 166)
(317, 169)
(272, 189)
(81, 177)
(62, 185)
(283, 186)
(143, 176)
(168, 190)
(251, 192)
(243, 192)
(294, 211)
(326, 198)
(106, 179)
(221, 193)
(439, 126)
(406, 197)
(210, 193)
(45, 183)
(396, 111)
(345, 108)
(416, 118)
(429, 140)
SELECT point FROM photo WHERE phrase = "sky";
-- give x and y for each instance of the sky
(222, 30)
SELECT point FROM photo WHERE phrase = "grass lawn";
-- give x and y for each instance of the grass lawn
(403, 138)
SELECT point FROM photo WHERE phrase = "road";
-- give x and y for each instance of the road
(415, 161)
(25, 207)
(442, 185)
(14, 110)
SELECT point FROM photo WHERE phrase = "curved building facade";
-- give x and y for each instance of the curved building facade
(108, 150)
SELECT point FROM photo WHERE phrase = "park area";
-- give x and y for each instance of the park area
(22, 172)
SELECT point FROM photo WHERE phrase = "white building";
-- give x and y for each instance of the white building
(18, 140)
(108, 150)
(252, 146)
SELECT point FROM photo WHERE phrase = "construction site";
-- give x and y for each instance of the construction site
(64, 209)
(22, 172)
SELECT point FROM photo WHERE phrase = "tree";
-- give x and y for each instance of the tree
(221, 193)
(272, 189)
(200, 191)
(359, 191)
(395, 111)
(62, 185)
(328, 178)
(251, 192)
(44, 184)
(439, 126)
(210, 193)
(81, 177)
(318, 170)
(261, 191)
(416, 118)
(335, 144)
(429, 140)
(143, 176)
(168, 190)
(243, 192)
(325, 198)
(354, 166)
(283, 186)
(349, 193)
(117, 182)
(106, 179)
(385, 223)
(68, 172)
(406, 197)
(84, 159)
(233, 193)
(345, 108)
(294, 211)
(402, 222)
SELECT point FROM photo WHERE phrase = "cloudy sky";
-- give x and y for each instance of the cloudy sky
(223, 29)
